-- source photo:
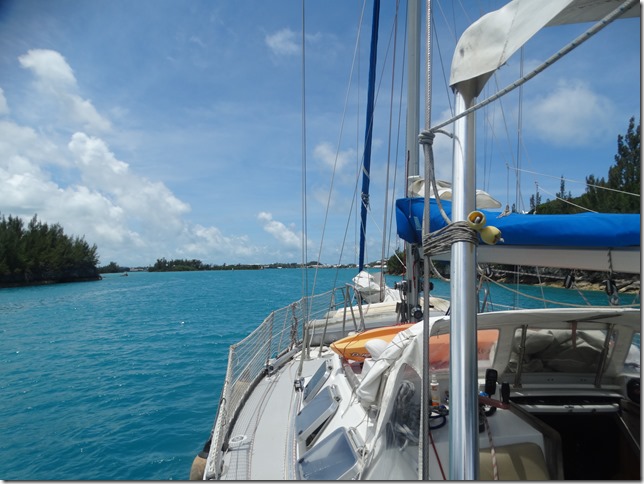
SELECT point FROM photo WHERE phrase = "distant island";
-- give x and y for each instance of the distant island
(164, 265)
(582, 280)
(42, 254)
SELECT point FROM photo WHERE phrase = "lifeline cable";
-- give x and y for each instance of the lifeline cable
(560, 303)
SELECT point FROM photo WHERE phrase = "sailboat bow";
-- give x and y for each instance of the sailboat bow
(333, 386)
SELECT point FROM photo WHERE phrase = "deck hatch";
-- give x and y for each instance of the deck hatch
(318, 379)
(333, 458)
(315, 416)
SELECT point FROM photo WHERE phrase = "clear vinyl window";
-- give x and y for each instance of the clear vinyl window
(557, 350)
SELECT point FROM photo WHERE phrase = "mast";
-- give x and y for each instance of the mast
(463, 438)
(413, 123)
(425, 391)
(484, 47)
(364, 196)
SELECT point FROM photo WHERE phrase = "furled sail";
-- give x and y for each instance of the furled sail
(579, 240)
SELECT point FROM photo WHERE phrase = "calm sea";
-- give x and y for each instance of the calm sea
(119, 379)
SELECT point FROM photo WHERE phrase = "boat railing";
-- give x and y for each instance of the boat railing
(262, 352)
(345, 299)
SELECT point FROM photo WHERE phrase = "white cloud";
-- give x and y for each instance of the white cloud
(278, 230)
(283, 42)
(572, 114)
(330, 158)
(442, 157)
(55, 80)
(211, 242)
(48, 66)
(197, 40)
(4, 107)
(23, 141)
(77, 181)
(93, 155)
(151, 203)
(79, 210)
(83, 111)
(131, 219)
(24, 193)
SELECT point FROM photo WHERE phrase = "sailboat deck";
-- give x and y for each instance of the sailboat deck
(260, 444)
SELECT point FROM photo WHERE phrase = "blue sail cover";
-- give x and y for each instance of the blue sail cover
(572, 230)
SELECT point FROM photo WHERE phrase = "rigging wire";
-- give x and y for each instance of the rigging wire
(566, 201)
(391, 102)
(357, 180)
(379, 229)
(507, 137)
(429, 167)
(356, 228)
(443, 70)
(518, 198)
(397, 151)
(305, 286)
(488, 147)
(558, 55)
(540, 277)
(577, 181)
(335, 163)
(446, 21)
(547, 63)
(550, 301)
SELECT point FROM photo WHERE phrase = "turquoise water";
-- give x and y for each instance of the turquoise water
(119, 379)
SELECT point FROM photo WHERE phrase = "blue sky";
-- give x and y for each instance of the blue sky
(173, 129)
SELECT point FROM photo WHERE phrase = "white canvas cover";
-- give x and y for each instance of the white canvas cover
(372, 288)
(367, 391)
(417, 189)
(490, 41)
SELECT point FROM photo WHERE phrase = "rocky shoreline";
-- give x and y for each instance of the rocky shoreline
(582, 280)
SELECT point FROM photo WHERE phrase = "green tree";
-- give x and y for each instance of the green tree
(618, 193)
(110, 268)
(396, 263)
(535, 201)
(41, 253)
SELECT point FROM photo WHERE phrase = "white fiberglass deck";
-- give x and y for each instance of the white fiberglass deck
(260, 444)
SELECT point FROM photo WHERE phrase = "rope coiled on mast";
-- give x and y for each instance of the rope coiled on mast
(441, 240)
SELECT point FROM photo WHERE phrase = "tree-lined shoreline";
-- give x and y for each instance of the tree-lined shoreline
(38, 253)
